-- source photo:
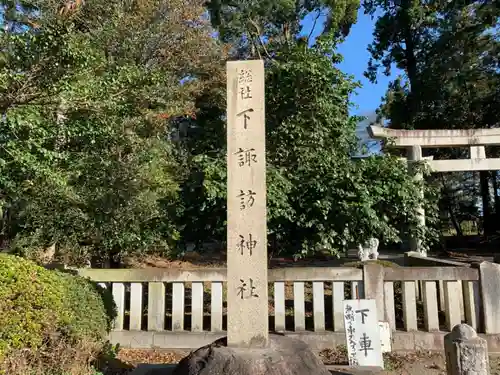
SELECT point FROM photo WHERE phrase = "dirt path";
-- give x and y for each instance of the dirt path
(415, 364)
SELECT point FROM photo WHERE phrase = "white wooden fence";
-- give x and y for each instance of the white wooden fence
(301, 300)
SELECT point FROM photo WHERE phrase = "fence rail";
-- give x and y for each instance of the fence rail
(300, 299)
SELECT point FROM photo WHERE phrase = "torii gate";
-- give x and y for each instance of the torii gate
(414, 140)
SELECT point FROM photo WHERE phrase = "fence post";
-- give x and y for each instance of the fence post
(373, 280)
(489, 280)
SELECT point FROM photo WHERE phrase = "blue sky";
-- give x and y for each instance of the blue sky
(356, 57)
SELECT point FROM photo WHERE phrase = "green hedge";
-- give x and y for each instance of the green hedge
(50, 321)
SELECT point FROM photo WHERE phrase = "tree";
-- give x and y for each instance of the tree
(113, 138)
(449, 55)
(318, 197)
(258, 28)
(86, 160)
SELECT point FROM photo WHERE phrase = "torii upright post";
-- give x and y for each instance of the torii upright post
(415, 156)
(247, 290)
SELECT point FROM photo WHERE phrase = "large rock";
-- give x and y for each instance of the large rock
(283, 356)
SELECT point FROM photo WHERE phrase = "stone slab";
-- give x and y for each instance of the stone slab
(247, 288)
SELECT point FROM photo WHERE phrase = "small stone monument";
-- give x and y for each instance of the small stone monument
(466, 352)
(368, 250)
(248, 349)
(385, 336)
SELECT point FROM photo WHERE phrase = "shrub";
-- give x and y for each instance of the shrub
(50, 322)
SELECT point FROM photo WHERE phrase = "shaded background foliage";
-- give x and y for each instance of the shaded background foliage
(113, 133)
(449, 57)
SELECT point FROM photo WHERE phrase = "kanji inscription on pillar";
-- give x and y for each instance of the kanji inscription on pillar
(247, 291)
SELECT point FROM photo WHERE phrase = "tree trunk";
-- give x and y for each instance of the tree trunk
(449, 207)
(411, 60)
(494, 175)
(455, 222)
(485, 196)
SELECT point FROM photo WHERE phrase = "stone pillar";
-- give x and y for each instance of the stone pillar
(489, 281)
(247, 289)
(466, 352)
(373, 280)
(415, 155)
